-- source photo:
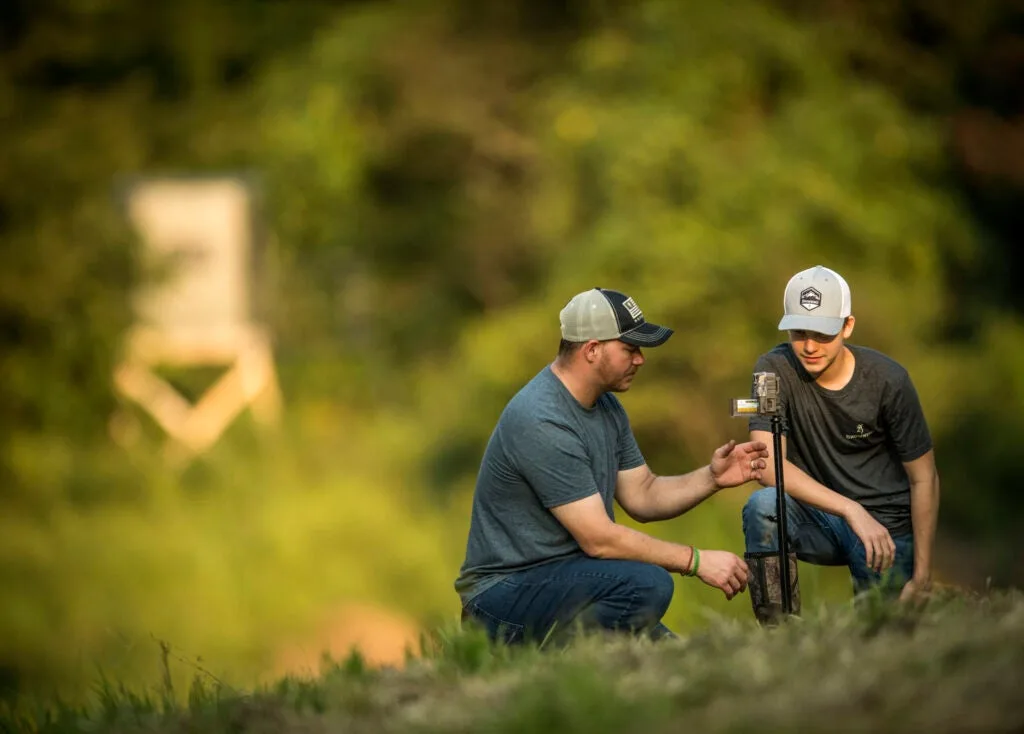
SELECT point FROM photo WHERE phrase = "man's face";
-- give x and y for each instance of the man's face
(817, 352)
(618, 364)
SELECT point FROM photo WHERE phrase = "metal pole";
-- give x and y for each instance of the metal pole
(780, 510)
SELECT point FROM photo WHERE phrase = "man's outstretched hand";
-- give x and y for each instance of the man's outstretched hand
(738, 463)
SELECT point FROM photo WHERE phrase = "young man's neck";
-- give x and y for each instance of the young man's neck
(585, 392)
(840, 372)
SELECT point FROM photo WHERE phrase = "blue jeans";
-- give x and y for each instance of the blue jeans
(576, 592)
(823, 539)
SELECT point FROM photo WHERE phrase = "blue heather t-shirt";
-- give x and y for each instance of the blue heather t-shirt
(546, 450)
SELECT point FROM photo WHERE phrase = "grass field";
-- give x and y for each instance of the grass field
(951, 665)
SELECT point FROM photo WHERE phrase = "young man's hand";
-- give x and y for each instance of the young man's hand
(916, 590)
(879, 550)
(723, 570)
(734, 464)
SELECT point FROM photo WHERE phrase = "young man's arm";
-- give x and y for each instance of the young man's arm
(878, 545)
(647, 497)
(924, 513)
(599, 537)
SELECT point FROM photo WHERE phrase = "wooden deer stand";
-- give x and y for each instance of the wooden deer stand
(201, 231)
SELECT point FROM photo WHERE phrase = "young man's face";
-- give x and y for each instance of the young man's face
(618, 364)
(818, 352)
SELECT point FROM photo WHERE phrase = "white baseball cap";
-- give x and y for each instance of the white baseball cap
(816, 299)
(605, 314)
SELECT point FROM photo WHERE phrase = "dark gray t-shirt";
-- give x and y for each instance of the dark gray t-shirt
(546, 450)
(853, 440)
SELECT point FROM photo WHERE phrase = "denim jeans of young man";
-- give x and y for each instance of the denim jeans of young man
(560, 597)
(823, 539)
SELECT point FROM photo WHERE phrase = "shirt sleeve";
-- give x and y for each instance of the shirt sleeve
(630, 456)
(905, 421)
(555, 463)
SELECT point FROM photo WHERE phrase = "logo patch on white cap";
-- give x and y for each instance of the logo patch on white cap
(810, 298)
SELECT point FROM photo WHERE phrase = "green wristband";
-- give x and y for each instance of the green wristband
(694, 562)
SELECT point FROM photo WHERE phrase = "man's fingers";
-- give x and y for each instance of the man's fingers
(737, 582)
(724, 450)
(912, 593)
(884, 556)
(757, 448)
(743, 574)
(879, 550)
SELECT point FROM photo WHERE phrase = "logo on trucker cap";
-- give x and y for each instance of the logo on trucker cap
(810, 298)
(630, 305)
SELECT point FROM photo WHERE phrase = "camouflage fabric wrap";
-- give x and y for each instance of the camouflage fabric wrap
(765, 586)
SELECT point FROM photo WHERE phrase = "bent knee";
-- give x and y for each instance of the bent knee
(761, 507)
(655, 588)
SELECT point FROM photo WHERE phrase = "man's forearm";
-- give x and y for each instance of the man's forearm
(924, 514)
(668, 497)
(627, 544)
(801, 486)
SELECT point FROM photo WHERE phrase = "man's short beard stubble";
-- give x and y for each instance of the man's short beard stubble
(612, 384)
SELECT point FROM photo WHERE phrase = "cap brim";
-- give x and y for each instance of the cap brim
(647, 335)
(819, 324)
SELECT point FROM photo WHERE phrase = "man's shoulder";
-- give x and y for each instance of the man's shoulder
(779, 357)
(878, 365)
(534, 401)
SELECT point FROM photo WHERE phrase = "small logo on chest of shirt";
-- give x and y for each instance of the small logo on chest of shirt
(860, 433)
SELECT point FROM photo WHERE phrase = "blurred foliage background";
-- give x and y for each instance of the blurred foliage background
(436, 178)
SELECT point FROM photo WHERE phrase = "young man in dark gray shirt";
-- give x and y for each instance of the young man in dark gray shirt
(859, 471)
(544, 552)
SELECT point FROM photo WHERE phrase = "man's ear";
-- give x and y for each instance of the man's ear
(592, 350)
(848, 327)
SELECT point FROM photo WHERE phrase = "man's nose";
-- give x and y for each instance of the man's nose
(639, 358)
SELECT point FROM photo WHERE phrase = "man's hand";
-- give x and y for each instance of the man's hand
(916, 590)
(879, 549)
(735, 464)
(723, 570)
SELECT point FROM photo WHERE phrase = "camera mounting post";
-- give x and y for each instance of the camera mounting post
(764, 400)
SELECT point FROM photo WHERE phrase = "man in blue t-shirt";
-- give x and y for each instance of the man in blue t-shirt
(544, 552)
(859, 472)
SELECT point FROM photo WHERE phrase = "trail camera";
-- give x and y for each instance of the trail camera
(764, 396)
(764, 400)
